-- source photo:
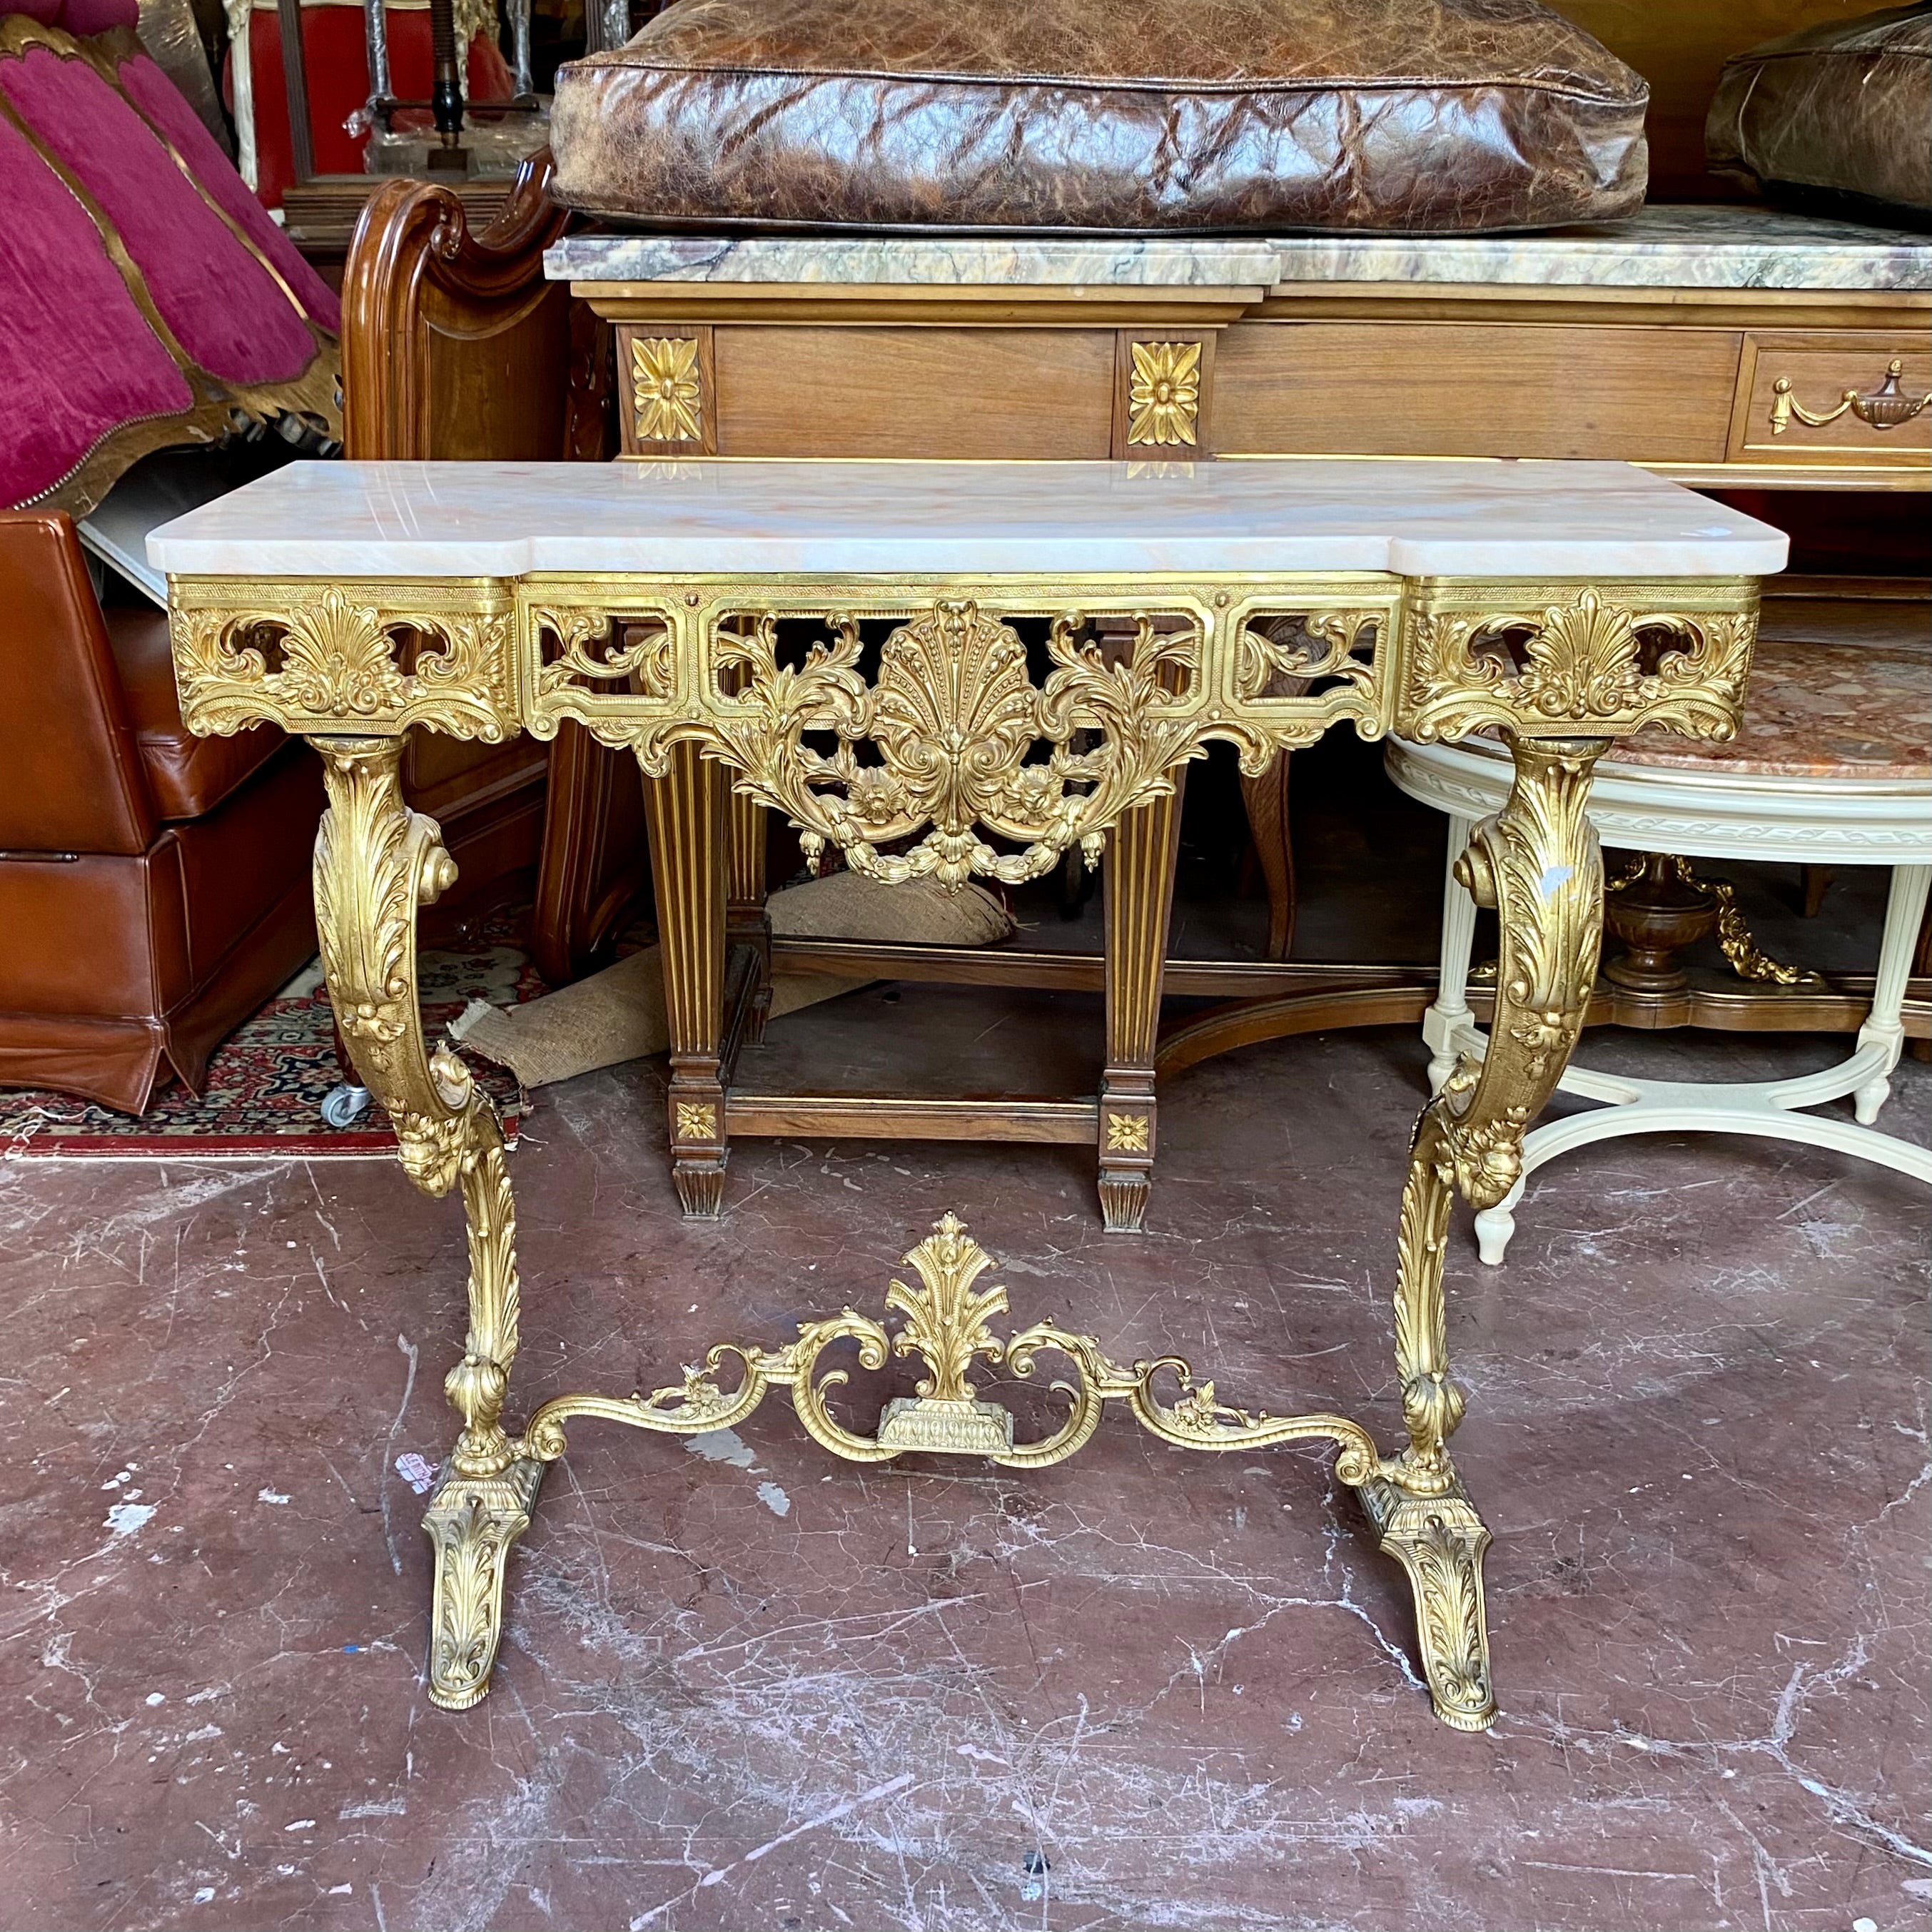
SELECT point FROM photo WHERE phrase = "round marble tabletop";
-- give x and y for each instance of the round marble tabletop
(1829, 697)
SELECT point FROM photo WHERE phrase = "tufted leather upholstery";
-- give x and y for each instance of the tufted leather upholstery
(1415, 116)
(1843, 107)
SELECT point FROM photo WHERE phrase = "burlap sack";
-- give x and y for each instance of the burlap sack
(619, 1014)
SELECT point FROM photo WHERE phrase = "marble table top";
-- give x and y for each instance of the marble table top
(873, 260)
(1822, 702)
(1660, 247)
(1418, 517)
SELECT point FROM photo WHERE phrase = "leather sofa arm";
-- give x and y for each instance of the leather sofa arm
(74, 781)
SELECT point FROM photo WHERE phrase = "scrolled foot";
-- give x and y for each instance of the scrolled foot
(471, 1521)
(1439, 1541)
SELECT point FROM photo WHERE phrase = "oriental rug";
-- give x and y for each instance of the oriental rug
(266, 1082)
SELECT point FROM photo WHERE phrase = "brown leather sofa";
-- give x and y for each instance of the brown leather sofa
(153, 886)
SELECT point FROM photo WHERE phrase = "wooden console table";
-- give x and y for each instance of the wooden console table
(1628, 341)
(952, 670)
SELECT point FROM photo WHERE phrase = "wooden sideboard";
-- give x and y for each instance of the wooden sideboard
(1654, 342)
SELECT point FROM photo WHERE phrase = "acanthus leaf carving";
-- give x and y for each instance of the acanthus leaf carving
(954, 718)
(946, 1325)
(1538, 862)
(315, 657)
(587, 653)
(1582, 666)
(1319, 644)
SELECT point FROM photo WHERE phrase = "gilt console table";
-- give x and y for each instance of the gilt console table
(952, 670)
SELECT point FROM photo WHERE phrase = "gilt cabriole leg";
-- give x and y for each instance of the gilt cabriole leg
(686, 811)
(1138, 884)
(376, 861)
(1538, 864)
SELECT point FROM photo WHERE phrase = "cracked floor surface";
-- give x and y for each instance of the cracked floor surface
(750, 1687)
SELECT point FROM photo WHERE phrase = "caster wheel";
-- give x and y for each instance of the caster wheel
(342, 1106)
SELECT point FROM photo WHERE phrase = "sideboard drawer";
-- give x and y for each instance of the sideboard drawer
(787, 390)
(1864, 412)
(1436, 388)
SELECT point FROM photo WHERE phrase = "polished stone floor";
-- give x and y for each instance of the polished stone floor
(753, 1687)
(745, 1686)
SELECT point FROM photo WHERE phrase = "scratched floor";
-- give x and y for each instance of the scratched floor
(752, 1687)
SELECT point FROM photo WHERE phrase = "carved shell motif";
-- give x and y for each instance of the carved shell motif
(337, 662)
(953, 713)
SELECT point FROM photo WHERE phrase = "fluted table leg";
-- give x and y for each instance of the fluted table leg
(1138, 880)
(686, 810)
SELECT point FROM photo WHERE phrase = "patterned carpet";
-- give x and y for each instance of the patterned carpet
(266, 1084)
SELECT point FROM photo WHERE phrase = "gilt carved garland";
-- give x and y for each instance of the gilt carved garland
(953, 716)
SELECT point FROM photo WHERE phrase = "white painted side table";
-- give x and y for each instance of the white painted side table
(1830, 767)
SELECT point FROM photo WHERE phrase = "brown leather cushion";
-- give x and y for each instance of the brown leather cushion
(187, 775)
(1844, 108)
(1412, 116)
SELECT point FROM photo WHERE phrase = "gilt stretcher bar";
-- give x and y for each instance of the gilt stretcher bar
(952, 671)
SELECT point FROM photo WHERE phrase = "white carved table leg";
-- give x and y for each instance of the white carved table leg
(1448, 1019)
(1769, 1109)
(1884, 1029)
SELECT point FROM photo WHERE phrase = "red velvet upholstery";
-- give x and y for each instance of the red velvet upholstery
(78, 17)
(145, 298)
(161, 101)
(76, 357)
(222, 304)
(81, 18)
